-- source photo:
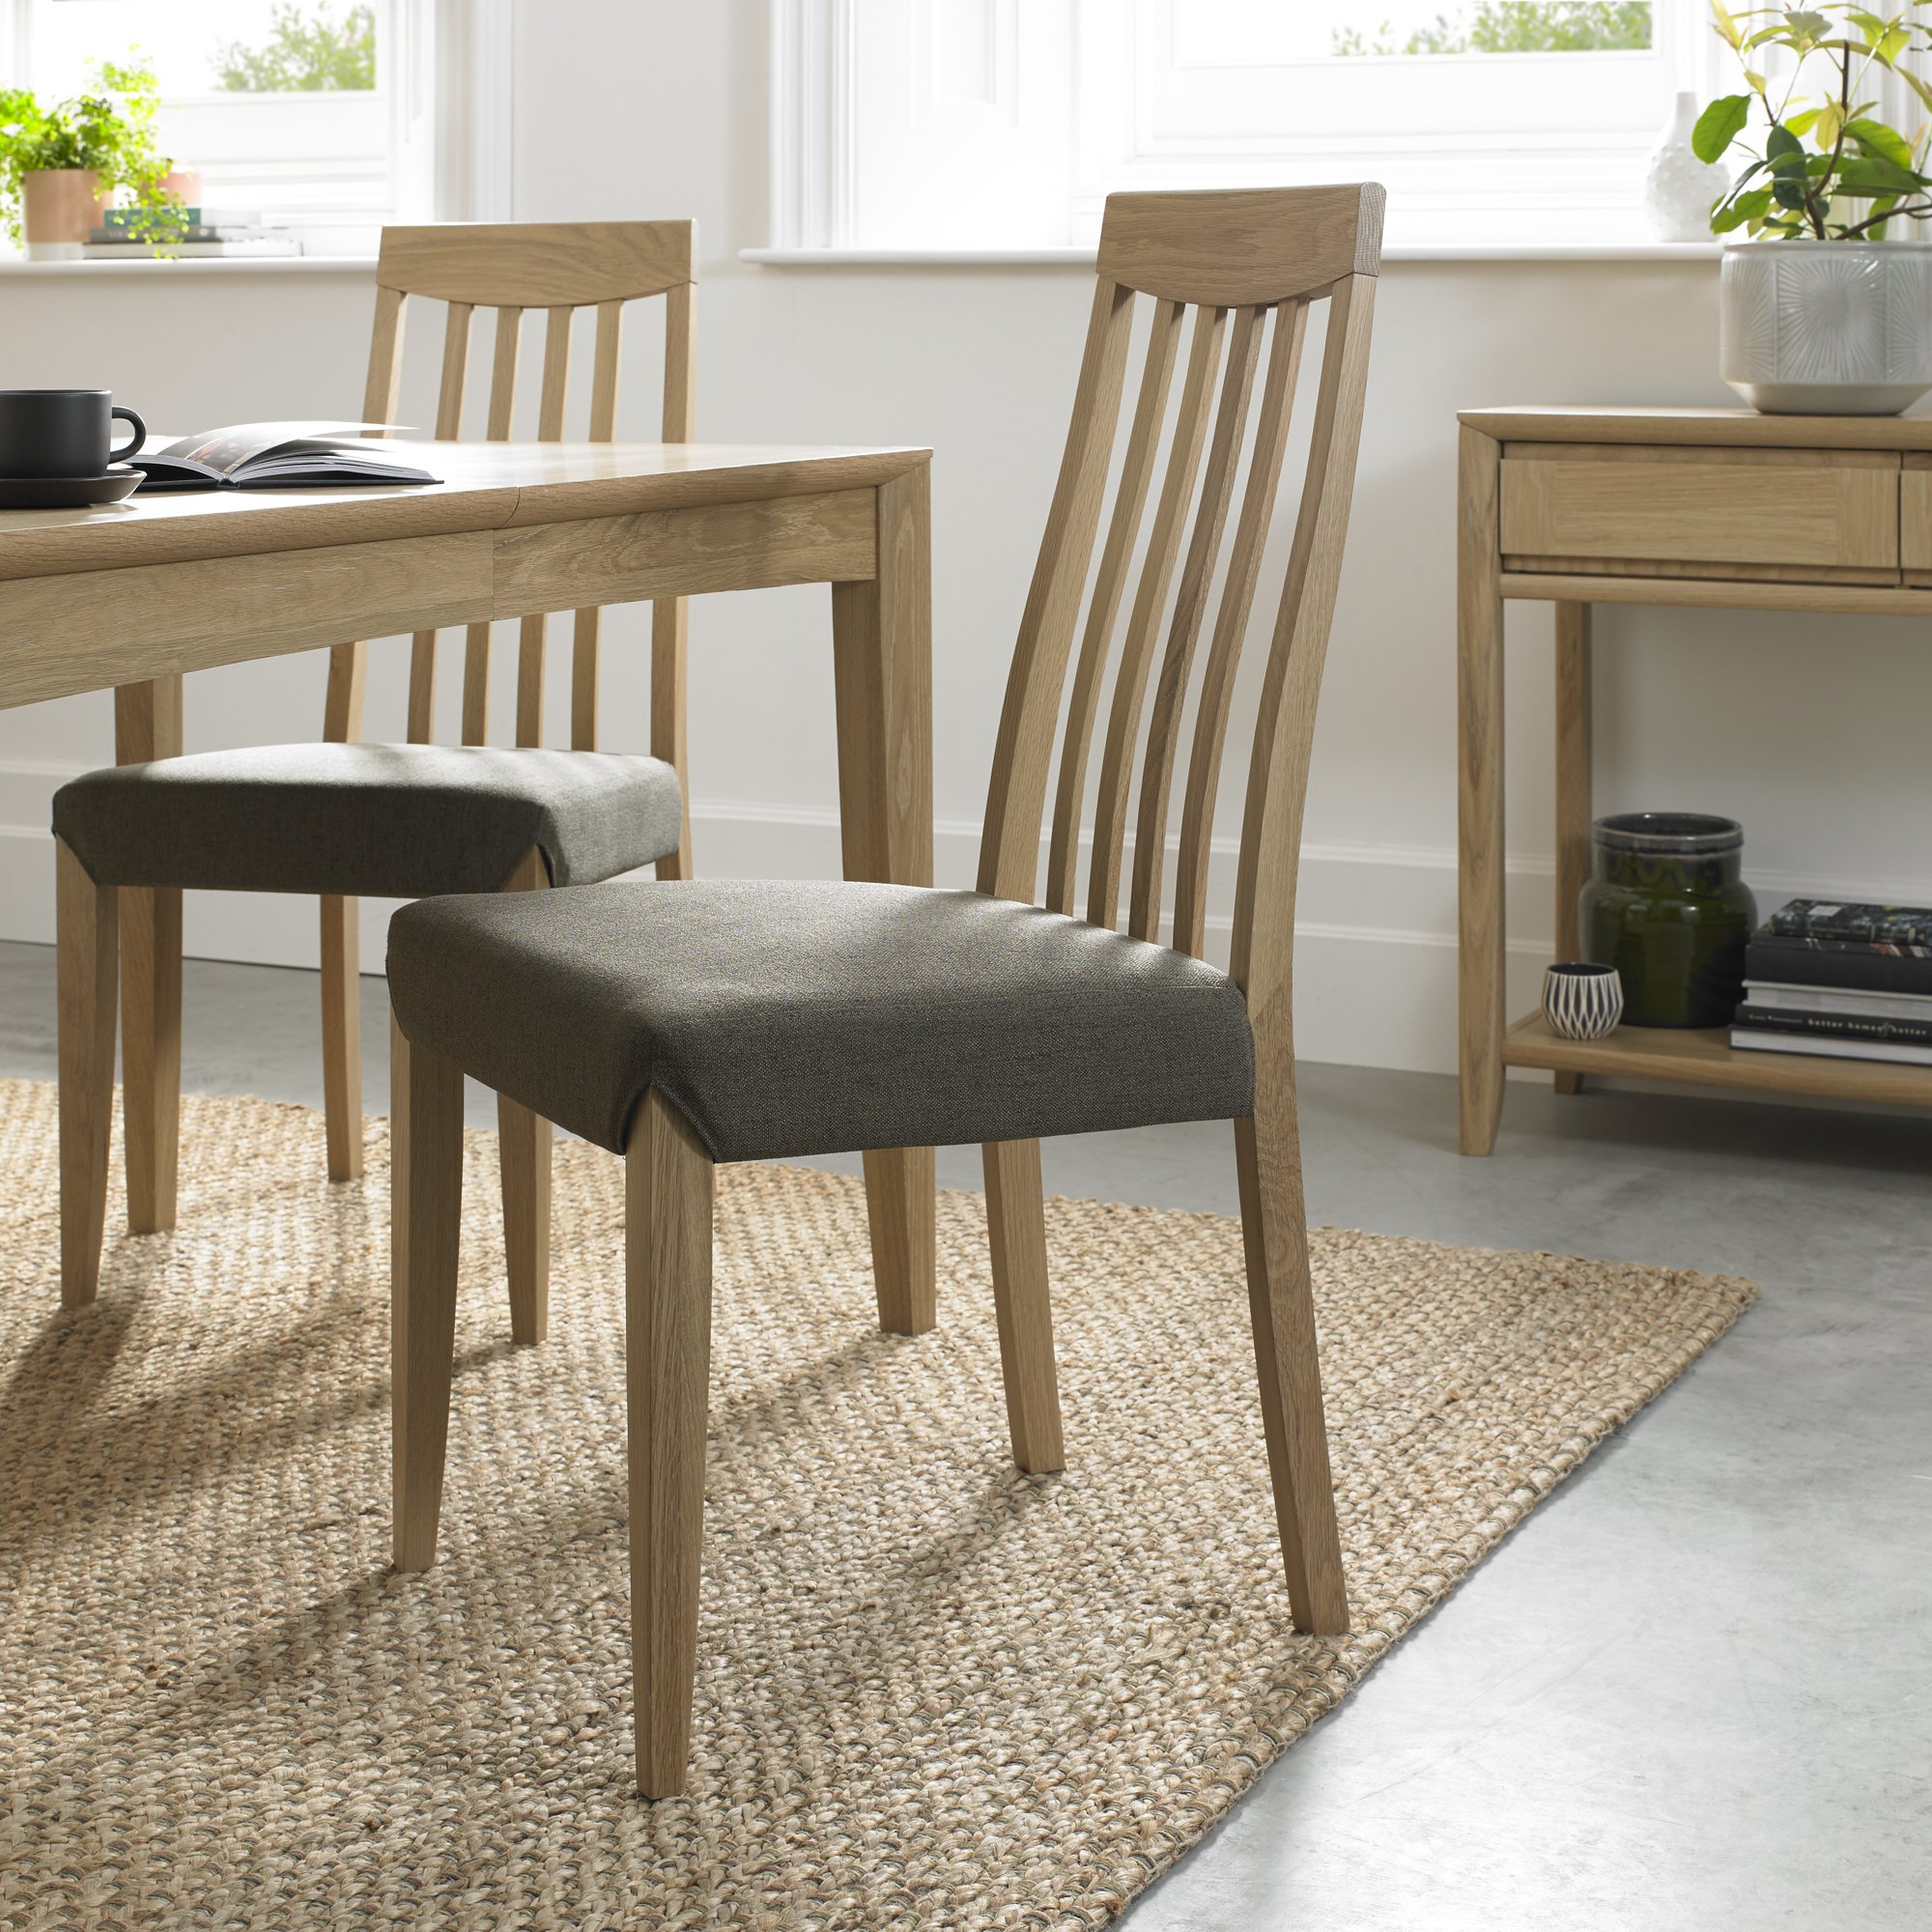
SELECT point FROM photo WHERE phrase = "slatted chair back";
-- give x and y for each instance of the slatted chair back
(1232, 277)
(514, 268)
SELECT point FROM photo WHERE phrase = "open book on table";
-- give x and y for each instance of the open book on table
(277, 455)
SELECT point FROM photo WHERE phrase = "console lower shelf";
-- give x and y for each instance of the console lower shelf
(1705, 1056)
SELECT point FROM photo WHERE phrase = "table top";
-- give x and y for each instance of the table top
(1714, 428)
(486, 485)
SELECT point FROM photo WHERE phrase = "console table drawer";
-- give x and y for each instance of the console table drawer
(1915, 517)
(1819, 509)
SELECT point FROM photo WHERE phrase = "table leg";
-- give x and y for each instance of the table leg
(1479, 715)
(1572, 785)
(882, 670)
(148, 726)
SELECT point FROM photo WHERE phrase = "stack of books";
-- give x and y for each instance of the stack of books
(1847, 982)
(126, 236)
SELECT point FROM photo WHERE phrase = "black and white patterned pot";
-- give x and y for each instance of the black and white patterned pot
(1580, 1001)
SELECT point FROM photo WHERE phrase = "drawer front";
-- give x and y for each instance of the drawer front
(1818, 509)
(1915, 514)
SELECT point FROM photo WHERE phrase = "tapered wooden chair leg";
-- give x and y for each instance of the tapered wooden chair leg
(1016, 1230)
(1274, 1232)
(87, 920)
(422, 1299)
(899, 1201)
(525, 1143)
(667, 1311)
(398, 1150)
(342, 1037)
(151, 1007)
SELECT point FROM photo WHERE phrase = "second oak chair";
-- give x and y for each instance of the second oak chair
(342, 820)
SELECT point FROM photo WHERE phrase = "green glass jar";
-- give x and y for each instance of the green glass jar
(1666, 907)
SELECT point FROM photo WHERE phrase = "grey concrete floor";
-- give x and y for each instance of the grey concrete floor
(1694, 1689)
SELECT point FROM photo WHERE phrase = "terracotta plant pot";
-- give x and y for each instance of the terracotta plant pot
(58, 208)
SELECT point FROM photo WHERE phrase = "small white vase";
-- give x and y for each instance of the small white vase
(1678, 188)
(1827, 327)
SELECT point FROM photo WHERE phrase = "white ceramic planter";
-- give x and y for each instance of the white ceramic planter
(1827, 327)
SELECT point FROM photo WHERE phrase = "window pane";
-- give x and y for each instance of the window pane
(1220, 31)
(200, 48)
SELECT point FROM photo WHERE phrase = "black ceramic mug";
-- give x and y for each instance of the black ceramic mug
(62, 432)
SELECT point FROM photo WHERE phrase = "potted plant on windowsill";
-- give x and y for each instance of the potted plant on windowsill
(1826, 309)
(59, 165)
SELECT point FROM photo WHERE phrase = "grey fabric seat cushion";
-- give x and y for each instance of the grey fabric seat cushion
(812, 1018)
(384, 820)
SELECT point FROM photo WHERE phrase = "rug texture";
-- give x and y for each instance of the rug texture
(931, 1693)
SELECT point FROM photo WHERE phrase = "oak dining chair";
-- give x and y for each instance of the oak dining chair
(701, 1022)
(342, 820)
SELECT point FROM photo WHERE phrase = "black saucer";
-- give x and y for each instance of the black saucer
(69, 492)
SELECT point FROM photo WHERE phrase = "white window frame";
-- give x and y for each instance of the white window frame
(427, 144)
(1069, 100)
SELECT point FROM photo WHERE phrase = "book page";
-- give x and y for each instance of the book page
(224, 451)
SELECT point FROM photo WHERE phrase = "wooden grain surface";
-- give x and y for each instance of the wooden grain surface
(1714, 593)
(94, 628)
(1574, 786)
(532, 265)
(485, 487)
(90, 600)
(1233, 247)
(1745, 506)
(1710, 428)
(819, 539)
(1914, 515)
(1479, 758)
(1706, 1057)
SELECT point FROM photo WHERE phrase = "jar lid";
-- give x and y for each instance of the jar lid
(1686, 834)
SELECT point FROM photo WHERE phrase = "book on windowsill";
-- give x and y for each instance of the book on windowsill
(141, 224)
(279, 456)
(195, 248)
(1756, 1040)
(187, 234)
(116, 222)
(1755, 1016)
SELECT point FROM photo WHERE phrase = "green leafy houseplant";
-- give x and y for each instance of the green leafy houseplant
(108, 131)
(1827, 169)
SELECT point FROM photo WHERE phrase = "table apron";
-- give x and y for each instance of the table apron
(97, 628)
(94, 629)
(831, 537)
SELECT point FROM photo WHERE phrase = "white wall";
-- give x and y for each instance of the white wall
(1806, 729)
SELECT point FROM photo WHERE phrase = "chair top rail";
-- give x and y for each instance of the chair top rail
(537, 265)
(1237, 248)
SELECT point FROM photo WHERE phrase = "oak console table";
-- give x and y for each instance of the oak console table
(1693, 507)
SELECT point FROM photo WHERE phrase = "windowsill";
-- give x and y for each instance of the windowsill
(1413, 251)
(220, 265)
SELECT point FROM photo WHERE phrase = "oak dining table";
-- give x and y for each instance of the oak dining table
(131, 596)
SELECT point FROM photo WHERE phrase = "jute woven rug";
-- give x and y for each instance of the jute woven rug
(931, 1693)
